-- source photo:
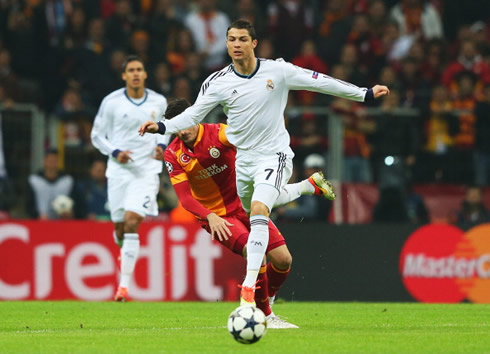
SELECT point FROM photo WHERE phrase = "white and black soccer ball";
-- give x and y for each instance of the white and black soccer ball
(62, 204)
(247, 324)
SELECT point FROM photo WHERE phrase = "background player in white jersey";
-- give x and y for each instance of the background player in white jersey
(253, 93)
(132, 169)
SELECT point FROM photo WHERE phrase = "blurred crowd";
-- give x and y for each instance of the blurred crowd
(66, 55)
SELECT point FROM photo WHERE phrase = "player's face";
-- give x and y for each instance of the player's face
(188, 136)
(135, 75)
(240, 44)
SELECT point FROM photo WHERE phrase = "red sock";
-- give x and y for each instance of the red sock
(262, 295)
(276, 278)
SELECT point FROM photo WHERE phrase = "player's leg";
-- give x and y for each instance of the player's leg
(315, 184)
(277, 271)
(140, 200)
(269, 174)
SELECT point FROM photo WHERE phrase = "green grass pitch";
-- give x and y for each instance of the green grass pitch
(139, 327)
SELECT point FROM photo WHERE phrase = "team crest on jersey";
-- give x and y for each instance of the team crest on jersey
(169, 166)
(214, 152)
(270, 85)
(184, 158)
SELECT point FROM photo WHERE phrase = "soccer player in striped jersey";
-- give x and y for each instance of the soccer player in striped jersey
(132, 170)
(253, 93)
(201, 165)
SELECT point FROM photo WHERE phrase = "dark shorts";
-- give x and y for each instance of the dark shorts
(240, 231)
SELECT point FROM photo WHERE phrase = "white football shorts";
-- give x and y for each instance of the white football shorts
(253, 169)
(136, 194)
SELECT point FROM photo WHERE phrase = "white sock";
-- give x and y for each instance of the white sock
(271, 300)
(256, 247)
(129, 255)
(293, 191)
(306, 187)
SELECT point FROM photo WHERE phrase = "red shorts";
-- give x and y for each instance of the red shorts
(240, 231)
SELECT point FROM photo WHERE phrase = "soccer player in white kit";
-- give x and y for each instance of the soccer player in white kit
(253, 93)
(132, 169)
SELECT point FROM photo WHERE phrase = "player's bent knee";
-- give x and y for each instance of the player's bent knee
(259, 208)
(281, 258)
(266, 195)
(132, 222)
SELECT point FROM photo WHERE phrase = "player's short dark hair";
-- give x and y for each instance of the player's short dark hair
(129, 59)
(176, 107)
(243, 24)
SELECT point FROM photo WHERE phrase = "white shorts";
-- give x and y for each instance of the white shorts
(138, 195)
(253, 169)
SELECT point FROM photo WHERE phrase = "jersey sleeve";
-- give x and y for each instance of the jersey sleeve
(163, 139)
(222, 135)
(175, 170)
(207, 99)
(298, 78)
(101, 127)
(182, 187)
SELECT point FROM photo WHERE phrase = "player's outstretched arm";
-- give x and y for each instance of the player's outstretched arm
(148, 127)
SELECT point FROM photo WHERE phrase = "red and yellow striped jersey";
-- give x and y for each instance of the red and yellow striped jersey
(209, 167)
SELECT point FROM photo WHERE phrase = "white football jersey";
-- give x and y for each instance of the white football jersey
(255, 103)
(116, 127)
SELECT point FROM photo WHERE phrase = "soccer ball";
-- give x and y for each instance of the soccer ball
(247, 324)
(62, 204)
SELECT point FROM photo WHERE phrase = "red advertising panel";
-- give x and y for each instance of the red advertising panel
(441, 263)
(48, 260)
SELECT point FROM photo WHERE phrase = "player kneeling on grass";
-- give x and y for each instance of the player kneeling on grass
(201, 165)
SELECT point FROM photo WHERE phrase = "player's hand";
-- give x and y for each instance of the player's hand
(380, 91)
(148, 127)
(158, 153)
(219, 226)
(124, 156)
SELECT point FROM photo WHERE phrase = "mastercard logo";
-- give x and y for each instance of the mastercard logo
(443, 264)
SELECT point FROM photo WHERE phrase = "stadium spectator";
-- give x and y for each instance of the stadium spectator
(92, 193)
(247, 10)
(417, 18)
(439, 129)
(75, 34)
(309, 59)
(469, 59)
(464, 140)
(394, 143)
(356, 164)
(208, 26)
(369, 47)
(163, 27)
(180, 46)
(160, 80)
(290, 23)
(8, 79)
(334, 26)
(45, 186)
(182, 88)
(414, 90)
(140, 46)
(350, 61)
(377, 17)
(312, 137)
(396, 46)
(194, 73)
(473, 211)
(121, 24)
(482, 139)
(266, 50)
